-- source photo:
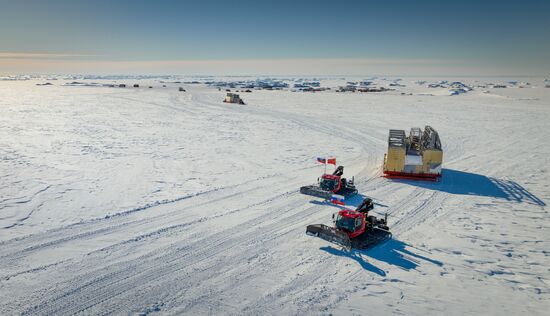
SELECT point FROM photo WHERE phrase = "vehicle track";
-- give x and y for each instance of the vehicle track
(122, 225)
(145, 269)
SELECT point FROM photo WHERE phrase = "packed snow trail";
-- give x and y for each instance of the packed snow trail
(210, 220)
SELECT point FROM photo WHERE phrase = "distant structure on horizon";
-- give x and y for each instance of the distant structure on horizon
(233, 98)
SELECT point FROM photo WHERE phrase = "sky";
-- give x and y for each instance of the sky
(399, 37)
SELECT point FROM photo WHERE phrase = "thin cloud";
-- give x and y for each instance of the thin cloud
(26, 55)
(30, 64)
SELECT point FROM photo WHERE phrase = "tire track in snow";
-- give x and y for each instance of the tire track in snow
(146, 270)
(63, 236)
(428, 208)
(32, 243)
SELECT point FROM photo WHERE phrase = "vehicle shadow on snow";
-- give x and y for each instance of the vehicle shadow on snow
(352, 201)
(466, 183)
(358, 198)
(393, 252)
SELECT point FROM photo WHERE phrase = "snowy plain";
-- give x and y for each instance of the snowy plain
(156, 201)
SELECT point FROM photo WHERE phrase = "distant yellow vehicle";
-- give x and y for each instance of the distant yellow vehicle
(233, 98)
(418, 156)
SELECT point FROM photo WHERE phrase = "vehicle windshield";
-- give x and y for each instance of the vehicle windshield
(328, 184)
(346, 223)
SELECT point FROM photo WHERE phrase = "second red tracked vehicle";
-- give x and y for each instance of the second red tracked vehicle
(354, 228)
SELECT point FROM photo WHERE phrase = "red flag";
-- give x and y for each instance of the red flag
(331, 161)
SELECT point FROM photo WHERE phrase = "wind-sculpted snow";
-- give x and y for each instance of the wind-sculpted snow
(156, 201)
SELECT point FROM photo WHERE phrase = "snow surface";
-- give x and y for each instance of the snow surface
(146, 201)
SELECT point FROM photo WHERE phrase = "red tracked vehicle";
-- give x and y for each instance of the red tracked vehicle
(330, 184)
(354, 228)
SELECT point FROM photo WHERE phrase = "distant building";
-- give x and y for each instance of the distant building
(312, 84)
(347, 89)
(374, 89)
